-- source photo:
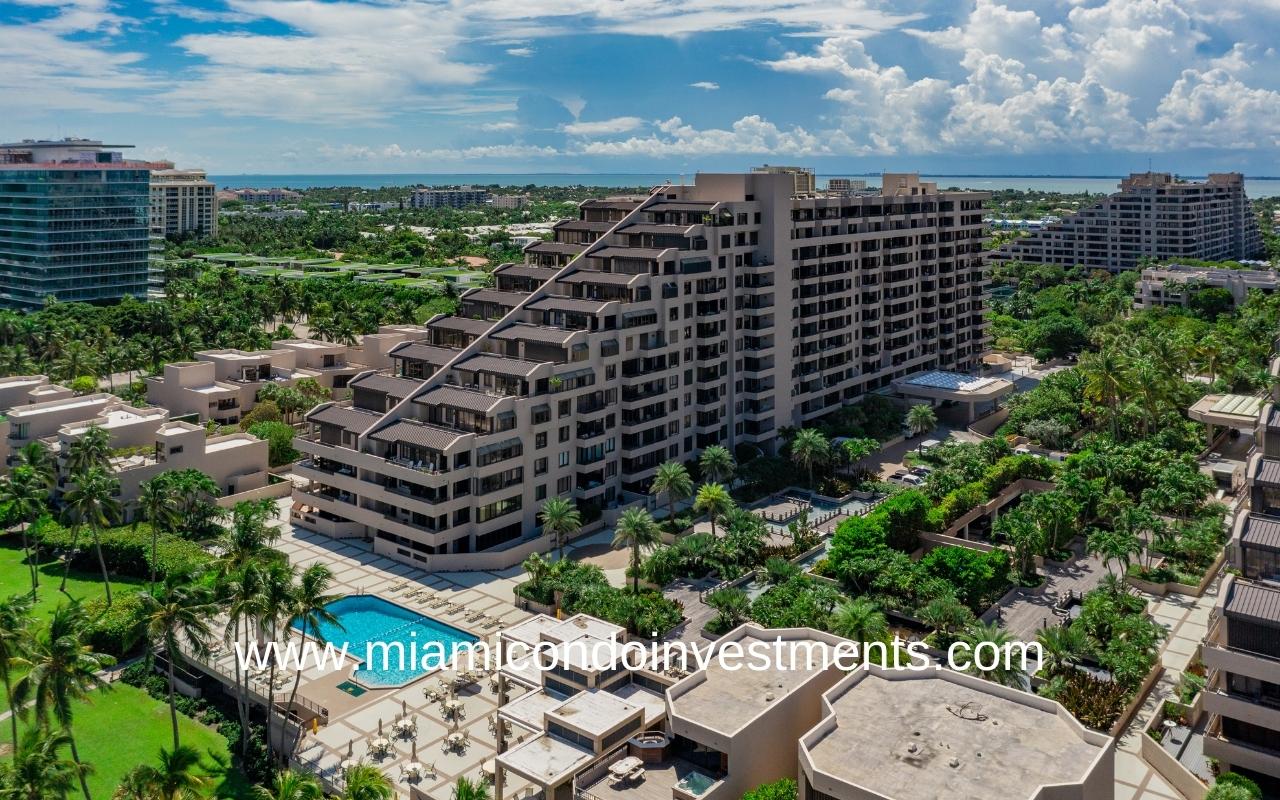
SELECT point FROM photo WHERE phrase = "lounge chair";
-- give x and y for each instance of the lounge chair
(475, 616)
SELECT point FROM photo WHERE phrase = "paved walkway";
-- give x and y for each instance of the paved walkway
(1024, 612)
(1187, 620)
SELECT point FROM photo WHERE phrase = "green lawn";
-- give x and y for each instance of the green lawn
(125, 727)
(15, 578)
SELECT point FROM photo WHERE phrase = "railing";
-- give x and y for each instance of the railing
(281, 699)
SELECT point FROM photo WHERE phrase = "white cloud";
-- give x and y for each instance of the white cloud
(710, 86)
(520, 52)
(603, 127)
(674, 137)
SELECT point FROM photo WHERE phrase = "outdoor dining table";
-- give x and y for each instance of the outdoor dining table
(488, 767)
(453, 706)
(624, 767)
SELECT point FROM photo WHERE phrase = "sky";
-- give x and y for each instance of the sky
(1066, 87)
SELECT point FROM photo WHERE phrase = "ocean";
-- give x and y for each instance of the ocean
(1256, 187)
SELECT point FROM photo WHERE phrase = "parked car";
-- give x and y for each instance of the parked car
(922, 471)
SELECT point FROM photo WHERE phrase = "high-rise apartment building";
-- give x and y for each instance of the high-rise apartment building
(183, 201)
(448, 198)
(1242, 648)
(74, 222)
(649, 329)
(805, 182)
(1154, 215)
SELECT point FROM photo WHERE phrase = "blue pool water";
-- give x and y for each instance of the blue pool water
(365, 618)
(696, 783)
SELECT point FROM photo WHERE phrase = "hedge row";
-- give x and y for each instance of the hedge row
(127, 550)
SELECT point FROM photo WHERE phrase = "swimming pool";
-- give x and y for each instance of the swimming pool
(365, 618)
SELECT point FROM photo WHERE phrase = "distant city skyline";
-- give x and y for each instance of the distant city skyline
(990, 87)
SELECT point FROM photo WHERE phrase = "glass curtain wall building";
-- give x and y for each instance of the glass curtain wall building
(74, 223)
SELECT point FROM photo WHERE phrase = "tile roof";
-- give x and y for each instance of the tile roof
(1261, 531)
(559, 248)
(638, 253)
(464, 324)
(387, 384)
(352, 419)
(569, 304)
(534, 333)
(596, 276)
(1268, 471)
(1253, 601)
(525, 271)
(424, 352)
(499, 365)
(413, 432)
(459, 398)
(510, 299)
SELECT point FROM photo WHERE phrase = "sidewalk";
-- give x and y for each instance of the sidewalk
(1187, 620)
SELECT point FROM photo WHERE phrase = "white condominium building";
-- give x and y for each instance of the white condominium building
(183, 201)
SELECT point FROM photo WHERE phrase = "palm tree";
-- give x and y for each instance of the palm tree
(921, 419)
(38, 770)
(290, 785)
(1106, 381)
(946, 615)
(61, 670)
(92, 449)
(714, 501)
(636, 529)
(241, 592)
(1063, 646)
(277, 597)
(987, 635)
(25, 496)
(732, 605)
(176, 777)
(309, 610)
(36, 457)
(467, 789)
(1114, 546)
(810, 448)
(560, 519)
(860, 620)
(180, 613)
(156, 503)
(672, 478)
(15, 625)
(536, 567)
(366, 782)
(716, 464)
(92, 502)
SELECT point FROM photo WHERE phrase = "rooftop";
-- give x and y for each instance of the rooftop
(935, 734)
(546, 759)
(726, 700)
(1254, 602)
(594, 712)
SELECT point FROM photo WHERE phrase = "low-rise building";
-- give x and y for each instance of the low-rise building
(222, 385)
(145, 443)
(1174, 284)
(331, 361)
(260, 195)
(897, 734)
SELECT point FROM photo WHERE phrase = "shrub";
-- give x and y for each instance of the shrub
(799, 603)
(903, 514)
(784, 789)
(1095, 702)
(127, 549)
(279, 438)
(976, 577)
(1238, 783)
(264, 411)
(116, 630)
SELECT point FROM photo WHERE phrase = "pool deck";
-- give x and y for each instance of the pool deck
(353, 721)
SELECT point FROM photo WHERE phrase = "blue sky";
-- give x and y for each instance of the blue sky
(322, 86)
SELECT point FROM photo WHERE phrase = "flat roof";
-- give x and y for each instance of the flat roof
(910, 734)
(654, 704)
(530, 708)
(546, 759)
(726, 700)
(595, 712)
